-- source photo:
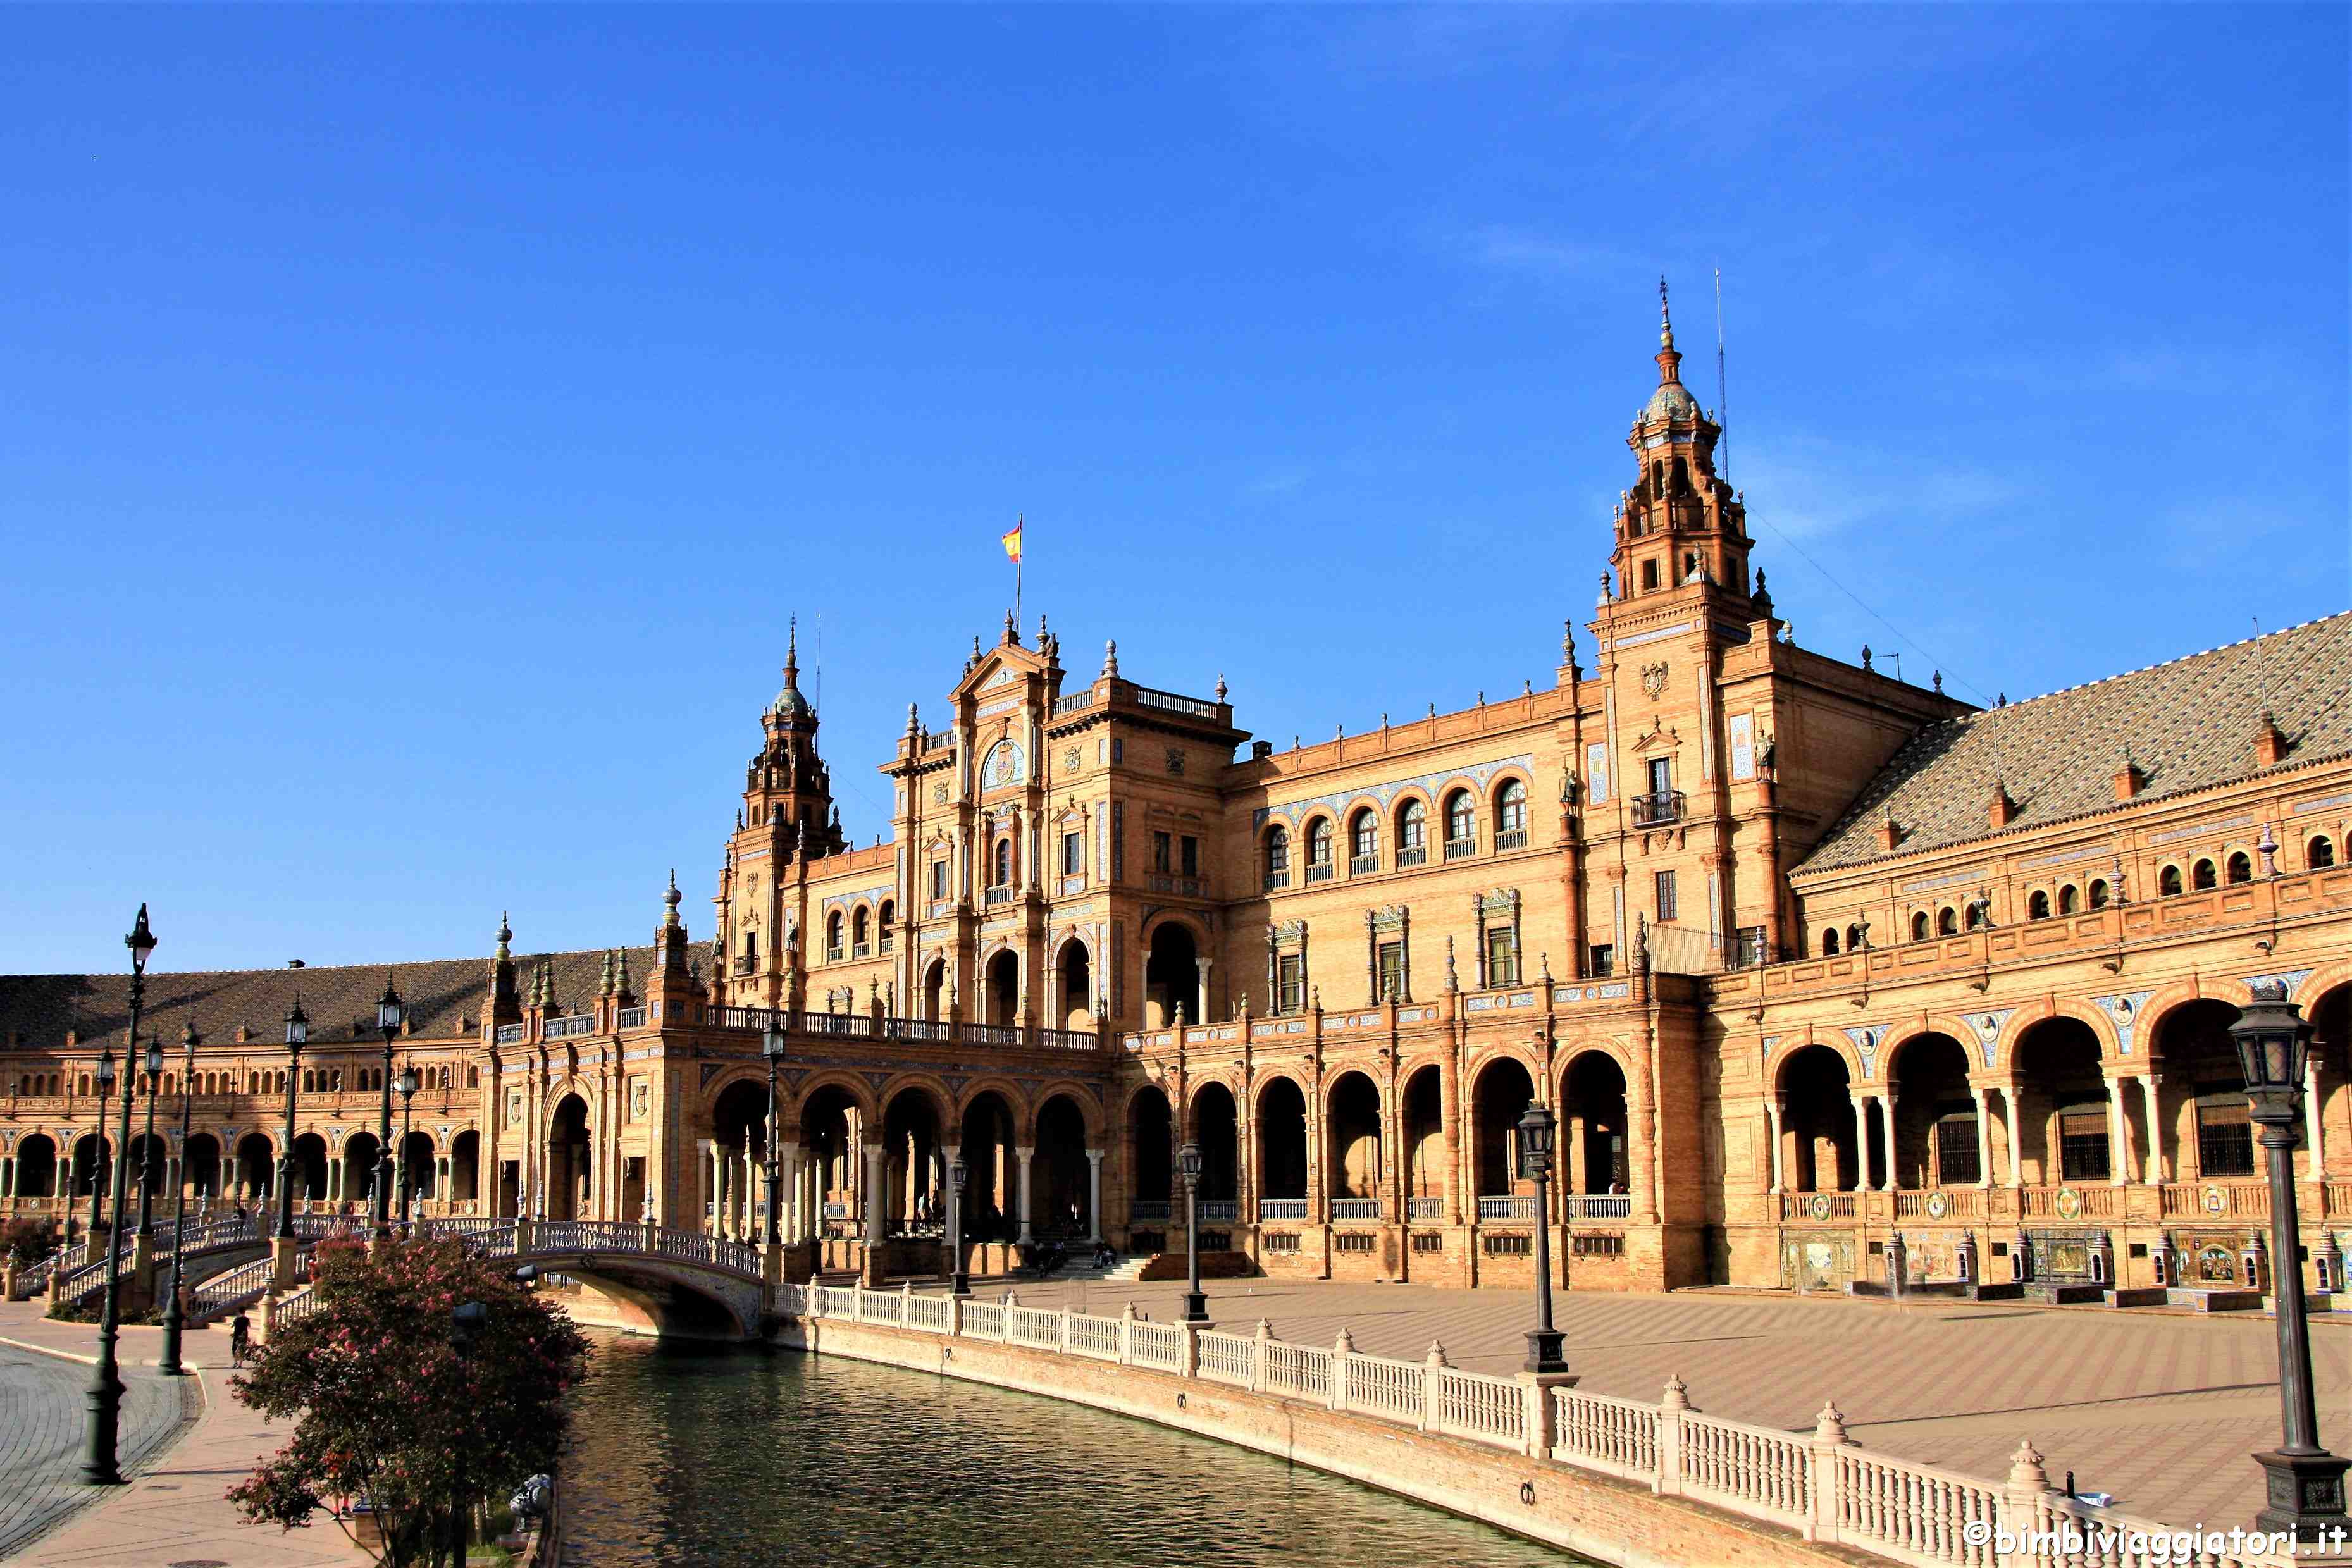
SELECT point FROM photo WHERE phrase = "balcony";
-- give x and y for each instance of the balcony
(1220, 1210)
(1355, 1208)
(1511, 839)
(747, 964)
(1278, 1209)
(997, 895)
(1363, 866)
(1425, 1210)
(1320, 870)
(861, 949)
(833, 954)
(1507, 1207)
(1461, 848)
(1182, 886)
(1275, 880)
(1596, 1205)
(1658, 808)
(1148, 1211)
(1412, 854)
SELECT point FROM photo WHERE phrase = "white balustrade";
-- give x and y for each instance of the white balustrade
(1156, 1345)
(1616, 1436)
(1753, 1470)
(1485, 1409)
(1304, 1370)
(1227, 1358)
(1377, 1386)
(1093, 1336)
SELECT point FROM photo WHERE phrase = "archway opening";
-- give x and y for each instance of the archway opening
(1216, 1127)
(988, 1168)
(1352, 1138)
(1001, 989)
(309, 1178)
(1500, 1096)
(569, 1167)
(1281, 1141)
(2214, 1131)
(362, 1170)
(1424, 1138)
(831, 1122)
(1061, 1195)
(93, 1166)
(915, 1181)
(1935, 1114)
(1594, 1155)
(1151, 1148)
(1817, 1121)
(151, 1166)
(419, 1172)
(466, 1167)
(935, 981)
(253, 1162)
(1076, 975)
(1171, 977)
(2063, 1104)
(37, 1167)
(738, 1139)
(200, 1166)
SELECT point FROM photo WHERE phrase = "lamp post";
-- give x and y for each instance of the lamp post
(173, 1320)
(1196, 1305)
(1534, 1164)
(408, 1087)
(466, 1324)
(297, 1035)
(98, 1467)
(772, 1046)
(387, 1024)
(105, 1076)
(2306, 1482)
(147, 1164)
(958, 1278)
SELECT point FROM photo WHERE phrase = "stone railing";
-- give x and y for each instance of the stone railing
(884, 1027)
(1596, 1205)
(224, 1293)
(1819, 1483)
(35, 1277)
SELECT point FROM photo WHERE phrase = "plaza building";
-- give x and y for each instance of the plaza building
(1807, 958)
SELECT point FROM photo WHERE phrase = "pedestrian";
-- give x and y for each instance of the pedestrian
(240, 1338)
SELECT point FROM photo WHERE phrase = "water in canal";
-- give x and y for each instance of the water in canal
(733, 1459)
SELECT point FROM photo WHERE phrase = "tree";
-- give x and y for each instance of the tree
(387, 1413)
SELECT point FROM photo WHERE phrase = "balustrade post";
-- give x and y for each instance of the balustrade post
(2020, 1506)
(1430, 1369)
(1259, 1340)
(1341, 1349)
(1004, 1323)
(1669, 1481)
(1127, 1335)
(906, 1303)
(955, 1313)
(1829, 1436)
(1061, 1330)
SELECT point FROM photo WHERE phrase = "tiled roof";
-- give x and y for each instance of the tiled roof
(2190, 725)
(339, 1002)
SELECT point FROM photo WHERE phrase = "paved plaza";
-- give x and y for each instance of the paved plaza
(183, 1443)
(2160, 1409)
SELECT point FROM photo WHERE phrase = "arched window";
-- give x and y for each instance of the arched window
(1979, 915)
(1318, 849)
(1829, 942)
(1278, 856)
(1919, 925)
(2319, 855)
(832, 934)
(2167, 880)
(2200, 875)
(1854, 939)
(885, 921)
(1363, 843)
(2069, 900)
(1947, 921)
(1511, 815)
(861, 926)
(1413, 833)
(1004, 868)
(1460, 820)
(2099, 894)
(2038, 906)
(2241, 868)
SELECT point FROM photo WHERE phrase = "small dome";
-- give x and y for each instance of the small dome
(1670, 401)
(790, 701)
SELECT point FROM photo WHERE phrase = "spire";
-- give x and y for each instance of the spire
(1670, 362)
(670, 902)
(506, 934)
(622, 986)
(792, 653)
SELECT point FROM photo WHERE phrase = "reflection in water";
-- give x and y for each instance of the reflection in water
(727, 1459)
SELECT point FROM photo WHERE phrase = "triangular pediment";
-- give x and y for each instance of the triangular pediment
(1001, 673)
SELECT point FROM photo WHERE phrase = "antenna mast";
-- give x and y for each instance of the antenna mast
(819, 695)
(1722, 398)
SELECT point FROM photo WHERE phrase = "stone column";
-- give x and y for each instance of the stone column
(705, 1198)
(1774, 1108)
(788, 1211)
(2119, 1148)
(874, 1155)
(1572, 1174)
(2311, 1124)
(2009, 1122)
(2155, 1172)
(1201, 1006)
(1024, 1151)
(1984, 1136)
(1887, 1121)
(1094, 1194)
(1860, 1142)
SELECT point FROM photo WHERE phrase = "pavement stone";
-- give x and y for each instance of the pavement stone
(2160, 1409)
(44, 1412)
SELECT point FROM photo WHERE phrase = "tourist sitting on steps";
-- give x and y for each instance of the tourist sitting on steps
(1105, 1255)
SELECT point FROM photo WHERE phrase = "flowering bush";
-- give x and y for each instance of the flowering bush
(386, 1414)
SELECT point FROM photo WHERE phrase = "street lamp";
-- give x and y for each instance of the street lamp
(297, 1035)
(147, 1162)
(1196, 1305)
(2306, 1482)
(173, 1320)
(408, 1086)
(1535, 1165)
(466, 1324)
(958, 1278)
(387, 1024)
(772, 1046)
(98, 1467)
(98, 1146)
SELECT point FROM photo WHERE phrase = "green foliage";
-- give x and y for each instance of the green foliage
(386, 1412)
(28, 1241)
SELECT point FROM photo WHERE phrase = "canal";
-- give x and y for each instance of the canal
(732, 1459)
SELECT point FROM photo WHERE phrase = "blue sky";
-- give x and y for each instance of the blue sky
(417, 423)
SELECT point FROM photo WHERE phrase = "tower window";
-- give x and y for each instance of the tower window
(1649, 576)
(1830, 943)
(938, 879)
(1074, 854)
(2200, 875)
(1668, 904)
(2319, 855)
(2038, 906)
(2066, 897)
(2167, 880)
(2241, 868)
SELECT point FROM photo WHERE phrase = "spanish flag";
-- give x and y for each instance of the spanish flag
(1012, 542)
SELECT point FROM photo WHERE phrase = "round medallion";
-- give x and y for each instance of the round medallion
(1939, 1206)
(2069, 1203)
(2214, 1200)
(1070, 759)
(939, 794)
(1821, 1206)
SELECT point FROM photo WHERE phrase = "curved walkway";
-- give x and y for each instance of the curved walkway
(175, 1508)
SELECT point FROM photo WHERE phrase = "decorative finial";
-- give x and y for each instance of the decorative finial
(914, 723)
(670, 901)
(1865, 655)
(1568, 642)
(506, 934)
(1665, 319)
(1220, 685)
(1939, 682)
(1110, 659)
(1452, 980)
(1011, 632)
